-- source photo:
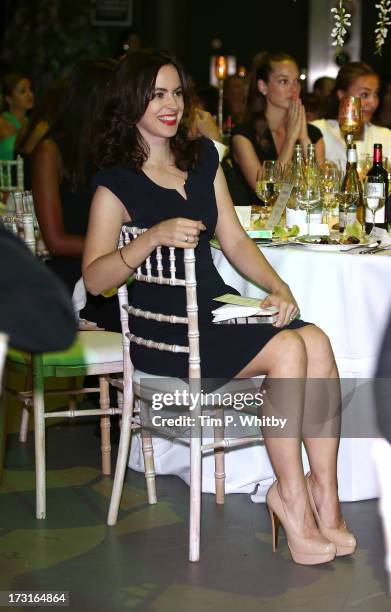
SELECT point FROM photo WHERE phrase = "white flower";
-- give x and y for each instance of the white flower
(342, 23)
(384, 20)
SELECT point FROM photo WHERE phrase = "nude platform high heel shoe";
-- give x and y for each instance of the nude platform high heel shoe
(305, 551)
(343, 539)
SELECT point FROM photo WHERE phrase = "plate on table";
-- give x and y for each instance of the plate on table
(325, 243)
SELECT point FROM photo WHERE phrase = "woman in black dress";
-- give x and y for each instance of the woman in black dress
(274, 121)
(154, 177)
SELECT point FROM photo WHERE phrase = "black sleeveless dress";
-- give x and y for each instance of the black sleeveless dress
(224, 349)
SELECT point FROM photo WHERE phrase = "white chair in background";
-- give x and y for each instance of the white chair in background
(93, 353)
(134, 387)
(11, 175)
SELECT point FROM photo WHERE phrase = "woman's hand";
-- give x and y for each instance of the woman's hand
(304, 139)
(293, 125)
(181, 233)
(286, 304)
(203, 124)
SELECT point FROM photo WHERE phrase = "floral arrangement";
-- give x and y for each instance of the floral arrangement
(381, 30)
(342, 23)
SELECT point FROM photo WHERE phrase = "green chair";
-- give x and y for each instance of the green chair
(93, 353)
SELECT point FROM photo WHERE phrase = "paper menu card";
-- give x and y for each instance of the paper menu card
(279, 205)
(236, 306)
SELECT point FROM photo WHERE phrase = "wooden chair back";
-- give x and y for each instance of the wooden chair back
(11, 175)
(152, 271)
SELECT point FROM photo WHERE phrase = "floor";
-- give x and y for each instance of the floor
(141, 564)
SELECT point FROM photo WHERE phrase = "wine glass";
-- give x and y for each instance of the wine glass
(364, 164)
(329, 183)
(308, 191)
(268, 183)
(350, 117)
(374, 199)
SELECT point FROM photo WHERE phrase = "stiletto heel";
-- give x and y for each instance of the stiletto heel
(275, 528)
(306, 551)
(343, 539)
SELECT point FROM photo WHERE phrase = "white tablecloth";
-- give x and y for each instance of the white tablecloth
(349, 297)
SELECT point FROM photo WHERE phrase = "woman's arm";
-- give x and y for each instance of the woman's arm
(46, 179)
(245, 156)
(103, 267)
(6, 128)
(33, 139)
(246, 256)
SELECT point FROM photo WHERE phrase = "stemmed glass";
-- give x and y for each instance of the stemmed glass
(374, 201)
(364, 164)
(308, 191)
(268, 182)
(329, 183)
(350, 117)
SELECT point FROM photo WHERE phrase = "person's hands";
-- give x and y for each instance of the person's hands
(204, 125)
(179, 232)
(293, 126)
(303, 135)
(286, 304)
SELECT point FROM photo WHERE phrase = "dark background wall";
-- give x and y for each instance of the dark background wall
(45, 36)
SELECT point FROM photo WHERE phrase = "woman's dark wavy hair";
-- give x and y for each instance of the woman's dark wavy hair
(345, 78)
(255, 110)
(116, 138)
(8, 84)
(72, 126)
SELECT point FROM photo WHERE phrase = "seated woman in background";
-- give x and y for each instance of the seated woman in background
(18, 98)
(274, 122)
(61, 178)
(234, 97)
(354, 79)
(40, 121)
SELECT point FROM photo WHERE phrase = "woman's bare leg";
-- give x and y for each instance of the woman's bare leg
(322, 403)
(284, 357)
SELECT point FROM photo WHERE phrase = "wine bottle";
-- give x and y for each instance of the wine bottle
(351, 191)
(377, 187)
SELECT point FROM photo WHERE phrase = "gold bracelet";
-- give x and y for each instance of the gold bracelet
(123, 259)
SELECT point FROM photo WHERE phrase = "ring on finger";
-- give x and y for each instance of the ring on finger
(186, 238)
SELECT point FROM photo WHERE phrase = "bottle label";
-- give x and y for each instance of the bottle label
(351, 217)
(295, 217)
(375, 190)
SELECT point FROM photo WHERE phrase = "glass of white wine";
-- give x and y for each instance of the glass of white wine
(268, 181)
(329, 182)
(374, 201)
(308, 192)
(345, 199)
